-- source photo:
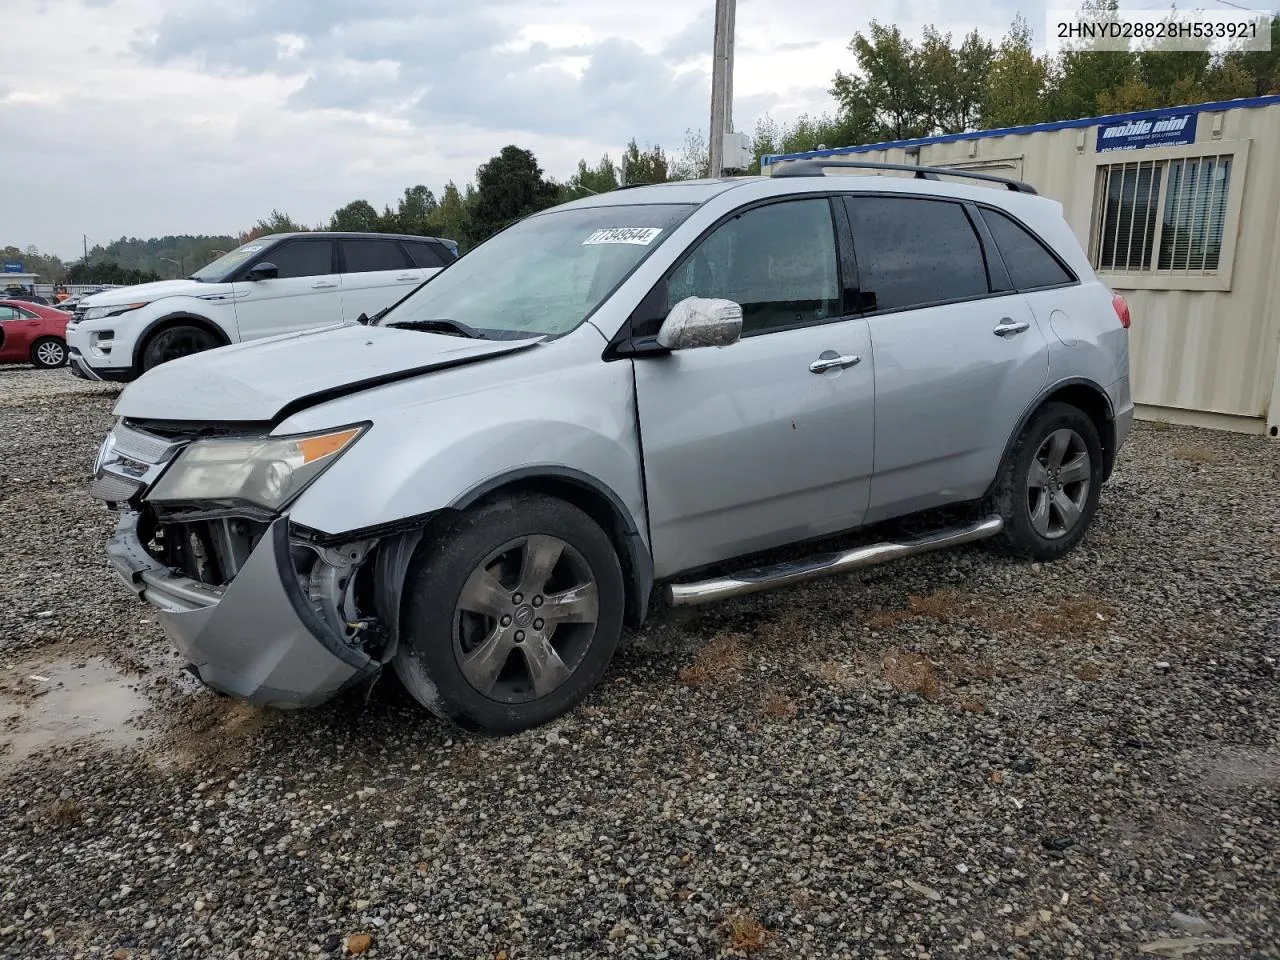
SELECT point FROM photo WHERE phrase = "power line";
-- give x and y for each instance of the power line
(1232, 3)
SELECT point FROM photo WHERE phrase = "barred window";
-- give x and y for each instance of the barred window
(1162, 217)
(1195, 213)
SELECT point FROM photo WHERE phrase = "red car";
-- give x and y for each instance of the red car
(30, 333)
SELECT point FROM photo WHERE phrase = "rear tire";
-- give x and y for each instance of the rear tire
(1049, 487)
(48, 353)
(511, 614)
(177, 341)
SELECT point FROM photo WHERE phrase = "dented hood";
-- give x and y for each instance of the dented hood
(265, 379)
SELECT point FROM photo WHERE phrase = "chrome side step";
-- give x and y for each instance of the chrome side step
(756, 579)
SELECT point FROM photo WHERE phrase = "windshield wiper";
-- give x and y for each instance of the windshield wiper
(439, 326)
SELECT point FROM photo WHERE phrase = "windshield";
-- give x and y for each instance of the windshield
(229, 263)
(545, 275)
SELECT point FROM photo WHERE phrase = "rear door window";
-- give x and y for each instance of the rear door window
(1031, 265)
(914, 252)
(373, 256)
(302, 258)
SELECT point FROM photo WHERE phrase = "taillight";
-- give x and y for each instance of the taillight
(1122, 309)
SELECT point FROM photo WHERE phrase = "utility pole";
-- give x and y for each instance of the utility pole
(86, 248)
(721, 84)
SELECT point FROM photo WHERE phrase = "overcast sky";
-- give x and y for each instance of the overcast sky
(148, 117)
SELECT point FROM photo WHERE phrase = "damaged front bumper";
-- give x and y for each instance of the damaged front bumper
(259, 637)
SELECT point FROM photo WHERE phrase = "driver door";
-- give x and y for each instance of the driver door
(306, 293)
(768, 441)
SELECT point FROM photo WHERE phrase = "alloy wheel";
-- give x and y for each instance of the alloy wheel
(51, 353)
(525, 618)
(1058, 483)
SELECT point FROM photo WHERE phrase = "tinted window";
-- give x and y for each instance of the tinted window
(367, 256)
(777, 261)
(424, 254)
(9, 313)
(302, 258)
(1030, 264)
(914, 252)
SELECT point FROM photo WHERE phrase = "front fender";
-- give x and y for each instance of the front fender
(437, 439)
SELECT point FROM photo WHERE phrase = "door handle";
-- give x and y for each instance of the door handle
(830, 360)
(407, 276)
(1009, 327)
(324, 284)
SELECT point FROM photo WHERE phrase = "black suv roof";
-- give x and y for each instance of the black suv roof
(347, 235)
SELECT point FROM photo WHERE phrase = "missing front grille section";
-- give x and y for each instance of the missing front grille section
(207, 551)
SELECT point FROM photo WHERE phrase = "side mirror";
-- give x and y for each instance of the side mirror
(263, 271)
(698, 322)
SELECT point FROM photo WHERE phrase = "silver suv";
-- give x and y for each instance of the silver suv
(658, 385)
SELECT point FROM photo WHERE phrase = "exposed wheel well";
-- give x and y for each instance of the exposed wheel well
(1083, 396)
(1094, 404)
(637, 569)
(177, 320)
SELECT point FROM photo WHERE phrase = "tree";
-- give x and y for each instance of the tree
(1079, 76)
(451, 219)
(645, 166)
(953, 79)
(108, 271)
(414, 213)
(358, 216)
(277, 222)
(694, 161)
(508, 187)
(1258, 71)
(601, 178)
(887, 88)
(47, 266)
(1014, 92)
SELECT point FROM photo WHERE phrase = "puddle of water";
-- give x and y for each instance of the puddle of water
(86, 701)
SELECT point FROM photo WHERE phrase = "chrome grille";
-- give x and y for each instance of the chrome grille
(137, 445)
(113, 489)
(129, 462)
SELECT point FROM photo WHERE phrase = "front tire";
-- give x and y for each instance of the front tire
(180, 340)
(1049, 487)
(512, 612)
(48, 353)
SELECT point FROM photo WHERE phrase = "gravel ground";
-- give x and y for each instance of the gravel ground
(955, 756)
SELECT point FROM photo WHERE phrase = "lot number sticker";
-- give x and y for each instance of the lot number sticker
(643, 236)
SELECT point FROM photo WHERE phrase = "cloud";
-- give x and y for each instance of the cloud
(202, 115)
(695, 40)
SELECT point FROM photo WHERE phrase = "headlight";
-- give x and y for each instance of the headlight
(99, 313)
(267, 471)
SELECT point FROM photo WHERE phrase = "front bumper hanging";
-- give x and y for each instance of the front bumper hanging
(258, 638)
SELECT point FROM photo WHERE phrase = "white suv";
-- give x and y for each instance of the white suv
(273, 285)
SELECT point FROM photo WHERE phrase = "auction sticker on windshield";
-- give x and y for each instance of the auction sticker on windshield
(643, 236)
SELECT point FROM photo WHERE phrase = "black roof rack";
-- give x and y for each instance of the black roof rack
(816, 167)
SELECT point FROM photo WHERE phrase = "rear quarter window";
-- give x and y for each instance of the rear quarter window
(1030, 263)
(426, 254)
